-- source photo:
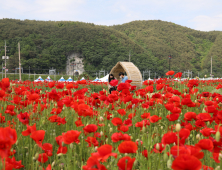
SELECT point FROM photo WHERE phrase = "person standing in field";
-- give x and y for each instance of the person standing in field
(123, 77)
(111, 88)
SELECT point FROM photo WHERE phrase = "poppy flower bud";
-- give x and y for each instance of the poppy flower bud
(143, 129)
(178, 127)
(101, 133)
(126, 154)
(16, 142)
(157, 146)
(161, 127)
(53, 164)
(107, 139)
(96, 148)
(135, 163)
(101, 118)
(165, 157)
(217, 168)
(71, 145)
(198, 136)
(63, 144)
(60, 154)
(169, 164)
(111, 130)
(217, 136)
(36, 156)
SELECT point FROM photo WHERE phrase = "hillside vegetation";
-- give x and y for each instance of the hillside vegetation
(46, 44)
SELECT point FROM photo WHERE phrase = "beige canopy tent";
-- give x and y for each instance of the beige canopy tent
(133, 73)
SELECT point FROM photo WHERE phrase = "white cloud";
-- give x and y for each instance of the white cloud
(207, 23)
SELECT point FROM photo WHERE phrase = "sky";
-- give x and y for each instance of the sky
(204, 15)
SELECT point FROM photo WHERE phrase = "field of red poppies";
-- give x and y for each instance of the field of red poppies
(168, 124)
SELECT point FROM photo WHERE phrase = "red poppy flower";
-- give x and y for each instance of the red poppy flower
(104, 152)
(204, 117)
(47, 148)
(10, 110)
(155, 118)
(142, 124)
(145, 115)
(69, 86)
(62, 150)
(38, 136)
(159, 86)
(206, 131)
(173, 117)
(205, 144)
(71, 136)
(114, 82)
(8, 137)
(170, 73)
(160, 149)
(122, 86)
(169, 138)
(2, 94)
(123, 128)
(51, 84)
(122, 112)
(127, 147)
(79, 123)
(60, 86)
(178, 75)
(116, 121)
(2, 118)
(90, 128)
(119, 136)
(182, 150)
(11, 163)
(189, 116)
(33, 97)
(145, 153)
(91, 141)
(24, 118)
(186, 162)
(126, 163)
(93, 164)
(84, 110)
(149, 89)
(43, 157)
(29, 130)
(5, 83)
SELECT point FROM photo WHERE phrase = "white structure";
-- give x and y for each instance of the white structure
(104, 79)
(61, 79)
(38, 79)
(69, 79)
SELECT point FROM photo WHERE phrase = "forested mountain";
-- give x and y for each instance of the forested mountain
(46, 44)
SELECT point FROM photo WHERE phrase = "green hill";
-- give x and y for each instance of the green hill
(46, 44)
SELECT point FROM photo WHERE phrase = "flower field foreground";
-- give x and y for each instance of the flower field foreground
(167, 124)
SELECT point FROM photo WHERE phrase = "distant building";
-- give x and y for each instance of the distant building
(74, 64)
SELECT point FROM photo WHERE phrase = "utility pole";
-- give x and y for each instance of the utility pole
(20, 76)
(5, 57)
(129, 55)
(211, 67)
